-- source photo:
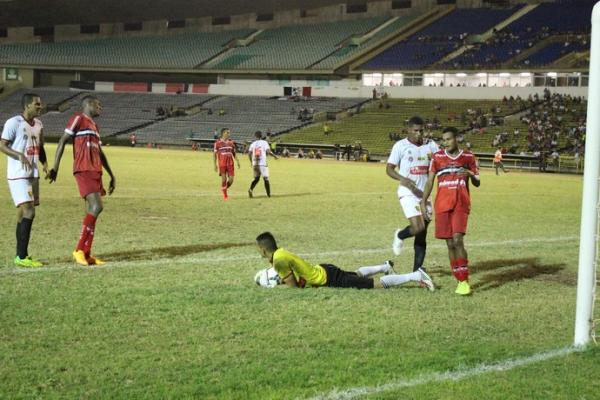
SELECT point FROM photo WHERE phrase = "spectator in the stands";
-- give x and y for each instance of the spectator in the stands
(311, 153)
(216, 134)
(210, 111)
(300, 153)
(319, 154)
(222, 112)
(285, 153)
(326, 129)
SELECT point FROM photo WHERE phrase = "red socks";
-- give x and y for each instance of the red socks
(87, 234)
(460, 269)
(224, 190)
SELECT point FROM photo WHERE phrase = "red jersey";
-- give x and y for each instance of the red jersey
(453, 189)
(86, 143)
(225, 150)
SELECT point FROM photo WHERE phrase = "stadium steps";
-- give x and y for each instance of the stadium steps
(486, 35)
(534, 49)
(407, 31)
(193, 108)
(571, 60)
(230, 48)
(520, 13)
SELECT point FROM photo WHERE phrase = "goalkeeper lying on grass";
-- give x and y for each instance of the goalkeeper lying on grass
(293, 271)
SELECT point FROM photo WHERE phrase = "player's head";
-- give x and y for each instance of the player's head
(415, 129)
(266, 244)
(225, 133)
(258, 134)
(32, 105)
(91, 105)
(449, 135)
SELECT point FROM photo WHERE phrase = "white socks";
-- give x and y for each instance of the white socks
(375, 269)
(396, 280)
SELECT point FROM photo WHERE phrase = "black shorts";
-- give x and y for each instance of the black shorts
(344, 279)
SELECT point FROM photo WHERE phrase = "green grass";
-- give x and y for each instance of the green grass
(175, 314)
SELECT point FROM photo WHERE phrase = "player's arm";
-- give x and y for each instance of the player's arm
(269, 152)
(60, 148)
(290, 280)
(472, 173)
(426, 193)
(5, 148)
(407, 183)
(43, 156)
(286, 274)
(113, 183)
(215, 159)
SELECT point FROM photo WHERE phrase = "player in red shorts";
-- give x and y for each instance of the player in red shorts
(454, 169)
(224, 153)
(87, 169)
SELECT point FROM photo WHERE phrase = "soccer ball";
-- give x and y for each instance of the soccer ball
(267, 278)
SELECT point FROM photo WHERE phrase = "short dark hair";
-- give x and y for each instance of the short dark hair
(27, 99)
(87, 99)
(416, 121)
(267, 241)
(223, 130)
(258, 134)
(450, 129)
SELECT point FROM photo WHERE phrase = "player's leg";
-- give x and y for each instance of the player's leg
(223, 174)
(264, 171)
(496, 166)
(391, 280)
(94, 207)
(27, 211)
(230, 174)
(461, 261)
(337, 277)
(385, 268)
(256, 171)
(25, 194)
(412, 211)
(420, 247)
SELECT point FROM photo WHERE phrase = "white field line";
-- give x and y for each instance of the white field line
(255, 256)
(440, 377)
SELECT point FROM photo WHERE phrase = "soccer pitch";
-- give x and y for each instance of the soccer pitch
(175, 313)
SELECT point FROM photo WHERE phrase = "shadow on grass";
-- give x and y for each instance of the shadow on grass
(513, 270)
(264, 196)
(166, 252)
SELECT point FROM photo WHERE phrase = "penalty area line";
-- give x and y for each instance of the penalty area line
(440, 377)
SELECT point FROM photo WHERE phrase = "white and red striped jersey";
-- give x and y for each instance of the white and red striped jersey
(23, 137)
(412, 161)
(86, 143)
(453, 187)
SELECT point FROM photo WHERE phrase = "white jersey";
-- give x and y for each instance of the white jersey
(258, 149)
(412, 162)
(23, 138)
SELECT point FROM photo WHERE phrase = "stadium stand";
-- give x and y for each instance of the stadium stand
(438, 39)
(121, 111)
(180, 51)
(295, 47)
(243, 115)
(484, 124)
(541, 23)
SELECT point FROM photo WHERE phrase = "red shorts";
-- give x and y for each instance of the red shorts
(451, 222)
(226, 169)
(89, 182)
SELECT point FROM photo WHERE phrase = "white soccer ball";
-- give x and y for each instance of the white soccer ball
(267, 278)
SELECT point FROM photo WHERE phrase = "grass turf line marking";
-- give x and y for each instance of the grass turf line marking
(247, 257)
(439, 377)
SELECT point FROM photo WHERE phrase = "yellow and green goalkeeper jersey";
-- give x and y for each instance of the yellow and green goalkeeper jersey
(285, 262)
